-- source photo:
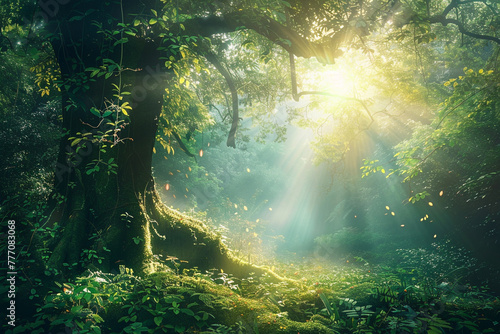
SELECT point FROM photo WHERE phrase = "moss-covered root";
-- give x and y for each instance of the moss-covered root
(228, 308)
(177, 235)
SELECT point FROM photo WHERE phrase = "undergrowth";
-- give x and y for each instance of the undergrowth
(416, 291)
(355, 298)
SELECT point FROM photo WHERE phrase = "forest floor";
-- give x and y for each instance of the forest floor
(314, 296)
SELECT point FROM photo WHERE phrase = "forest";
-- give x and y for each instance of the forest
(250, 166)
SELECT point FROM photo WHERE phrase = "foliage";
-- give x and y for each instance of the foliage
(431, 94)
(29, 129)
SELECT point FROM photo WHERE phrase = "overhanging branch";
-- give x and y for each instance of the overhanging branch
(444, 21)
(461, 27)
(277, 33)
(182, 145)
(211, 57)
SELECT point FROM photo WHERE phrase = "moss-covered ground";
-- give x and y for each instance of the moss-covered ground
(314, 296)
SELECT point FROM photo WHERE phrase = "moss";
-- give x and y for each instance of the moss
(230, 308)
(320, 319)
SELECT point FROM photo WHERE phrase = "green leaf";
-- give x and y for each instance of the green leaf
(187, 311)
(97, 318)
(180, 328)
(152, 21)
(158, 320)
(76, 141)
(76, 309)
(121, 41)
(95, 111)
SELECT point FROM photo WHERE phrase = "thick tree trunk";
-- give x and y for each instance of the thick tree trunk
(113, 216)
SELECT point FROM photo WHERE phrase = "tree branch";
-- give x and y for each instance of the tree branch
(211, 57)
(182, 145)
(444, 21)
(441, 18)
(277, 33)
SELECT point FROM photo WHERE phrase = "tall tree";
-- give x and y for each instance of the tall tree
(117, 60)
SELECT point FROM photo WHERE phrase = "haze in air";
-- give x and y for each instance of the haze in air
(249, 166)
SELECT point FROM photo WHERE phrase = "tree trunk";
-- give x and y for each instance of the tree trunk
(111, 214)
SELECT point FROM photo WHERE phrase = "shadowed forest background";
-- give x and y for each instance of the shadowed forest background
(250, 166)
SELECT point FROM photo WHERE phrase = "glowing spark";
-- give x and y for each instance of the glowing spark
(201, 153)
(245, 208)
(167, 187)
(441, 193)
(248, 170)
(430, 204)
(402, 225)
(387, 208)
(435, 236)
(392, 213)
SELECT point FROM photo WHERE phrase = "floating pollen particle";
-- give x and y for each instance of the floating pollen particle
(167, 187)
(387, 207)
(201, 153)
